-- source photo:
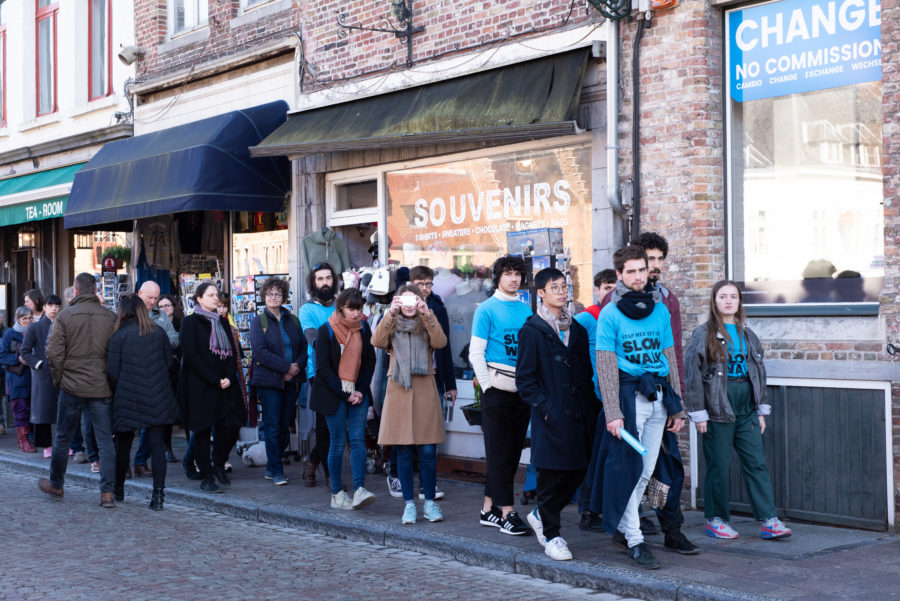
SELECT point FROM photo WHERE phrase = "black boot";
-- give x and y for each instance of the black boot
(221, 476)
(209, 485)
(157, 498)
(119, 491)
(170, 456)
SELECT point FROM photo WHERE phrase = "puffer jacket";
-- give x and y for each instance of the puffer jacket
(78, 346)
(138, 367)
(706, 396)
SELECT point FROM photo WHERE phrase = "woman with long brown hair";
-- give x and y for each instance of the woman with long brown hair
(726, 400)
(139, 351)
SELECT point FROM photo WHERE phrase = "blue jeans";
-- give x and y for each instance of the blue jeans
(347, 419)
(143, 452)
(277, 410)
(68, 418)
(427, 469)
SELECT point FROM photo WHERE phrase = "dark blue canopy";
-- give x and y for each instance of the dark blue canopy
(204, 165)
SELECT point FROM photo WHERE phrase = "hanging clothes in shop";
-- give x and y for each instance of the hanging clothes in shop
(158, 241)
(214, 232)
(461, 307)
(323, 246)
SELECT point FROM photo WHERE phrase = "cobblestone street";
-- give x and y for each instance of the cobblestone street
(75, 550)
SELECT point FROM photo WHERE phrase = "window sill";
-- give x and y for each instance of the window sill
(812, 310)
(97, 104)
(252, 14)
(186, 38)
(39, 122)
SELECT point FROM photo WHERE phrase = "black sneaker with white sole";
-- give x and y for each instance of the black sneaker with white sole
(513, 524)
(491, 518)
(641, 556)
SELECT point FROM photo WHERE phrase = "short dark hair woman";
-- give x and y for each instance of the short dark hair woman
(279, 368)
(209, 390)
(412, 418)
(139, 352)
(345, 363)
(34, 300)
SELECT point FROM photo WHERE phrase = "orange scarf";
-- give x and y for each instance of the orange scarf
(347, 332)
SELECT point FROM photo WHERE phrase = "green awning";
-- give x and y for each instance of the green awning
(36, 196)
(526, 101)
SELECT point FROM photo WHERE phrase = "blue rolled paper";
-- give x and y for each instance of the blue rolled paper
(634, 442)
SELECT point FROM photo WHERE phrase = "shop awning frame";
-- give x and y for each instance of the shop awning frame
(203, 165)
(530, 100)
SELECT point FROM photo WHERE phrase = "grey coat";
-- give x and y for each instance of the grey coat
(43, 394)
(706, 396)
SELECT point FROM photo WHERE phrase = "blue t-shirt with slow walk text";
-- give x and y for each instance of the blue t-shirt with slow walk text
(590, 324)
(313, 315)
(638, 343)
(499, 321)
(737, 353)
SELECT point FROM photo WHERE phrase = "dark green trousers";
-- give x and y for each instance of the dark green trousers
(743, 434)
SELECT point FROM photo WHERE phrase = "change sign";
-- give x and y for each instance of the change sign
(796, 46)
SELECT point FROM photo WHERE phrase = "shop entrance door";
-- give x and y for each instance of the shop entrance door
(826, 452)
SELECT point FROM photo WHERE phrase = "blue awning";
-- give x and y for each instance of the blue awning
(204, 165)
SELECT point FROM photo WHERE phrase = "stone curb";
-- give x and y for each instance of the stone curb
(619, 581)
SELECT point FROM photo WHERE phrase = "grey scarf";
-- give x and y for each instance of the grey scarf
(409, 351)
(559, 324)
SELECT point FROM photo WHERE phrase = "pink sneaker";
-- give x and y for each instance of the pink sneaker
(719, 528)
(48, 452)
(774, 528)
(71, 452)
(95, 467)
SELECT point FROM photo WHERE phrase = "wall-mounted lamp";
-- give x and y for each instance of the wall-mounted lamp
(27, 237)
(129, 54)
(402, 13)
(84, 241)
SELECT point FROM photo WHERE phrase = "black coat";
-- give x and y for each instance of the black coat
(443, 357)
(138, 368)
(44, 396)
(326, 395)
(556, 381)
(201, 399)
(269, 364)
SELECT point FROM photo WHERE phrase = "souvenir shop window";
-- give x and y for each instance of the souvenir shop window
(804, 160)
(259, 243)
(458, 217)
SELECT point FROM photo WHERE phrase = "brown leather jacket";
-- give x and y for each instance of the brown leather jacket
(77, 348)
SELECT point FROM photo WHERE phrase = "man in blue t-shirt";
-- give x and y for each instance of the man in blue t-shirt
(634, 352)
(492, 353)
(321, 283)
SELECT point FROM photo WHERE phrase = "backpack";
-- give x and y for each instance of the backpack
(264, 321)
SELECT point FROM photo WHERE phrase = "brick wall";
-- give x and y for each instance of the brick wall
(890, 36)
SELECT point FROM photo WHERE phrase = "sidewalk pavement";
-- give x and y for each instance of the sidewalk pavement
(818, 563)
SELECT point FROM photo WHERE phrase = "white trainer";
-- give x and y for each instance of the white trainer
(558, 549)
(341, 500)
(362, 497)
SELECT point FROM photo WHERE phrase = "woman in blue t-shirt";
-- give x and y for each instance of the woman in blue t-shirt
(726, 399)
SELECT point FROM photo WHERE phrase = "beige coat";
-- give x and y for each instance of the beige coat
(411, 416)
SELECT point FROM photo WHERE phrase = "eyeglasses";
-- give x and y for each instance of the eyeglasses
(427, 285)
(274, 295)
(557, 289)
(165, 306)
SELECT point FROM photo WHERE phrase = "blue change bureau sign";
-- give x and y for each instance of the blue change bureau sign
(795, 46)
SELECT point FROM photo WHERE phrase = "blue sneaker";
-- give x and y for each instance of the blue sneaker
(280, 480)
(432, 512)
(409, 514)
(269, 475)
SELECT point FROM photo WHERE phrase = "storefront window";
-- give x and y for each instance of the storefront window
(259, 243)
(458, 217)
(805, 189)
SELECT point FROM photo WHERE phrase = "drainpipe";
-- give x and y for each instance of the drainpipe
(612, 118)
(636, 125)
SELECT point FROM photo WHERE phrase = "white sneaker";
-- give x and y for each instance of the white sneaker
(557, 549)
(438, 494)
(534, 520)
(341, 501)
(394, 488)
(362, 497)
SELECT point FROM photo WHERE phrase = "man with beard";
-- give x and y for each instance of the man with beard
(669, 470)
(321, 283)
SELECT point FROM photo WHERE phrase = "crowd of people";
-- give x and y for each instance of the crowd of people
(603, 392)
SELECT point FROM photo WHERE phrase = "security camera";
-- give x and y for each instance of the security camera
(129, 54)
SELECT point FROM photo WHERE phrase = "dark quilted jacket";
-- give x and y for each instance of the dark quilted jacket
(138, 368)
